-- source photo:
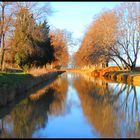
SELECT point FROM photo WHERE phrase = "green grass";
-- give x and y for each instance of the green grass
(11, 79)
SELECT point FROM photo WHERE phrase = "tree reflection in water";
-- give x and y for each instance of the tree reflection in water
(112, 110)
(32, 112)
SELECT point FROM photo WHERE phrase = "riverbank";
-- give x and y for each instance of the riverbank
(124, 77)
(79, 71)
(12, 84)
(113, 74)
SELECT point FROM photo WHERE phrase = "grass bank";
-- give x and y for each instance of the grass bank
(12, 79)
(13, 84)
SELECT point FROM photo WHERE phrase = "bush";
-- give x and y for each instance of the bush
(25, 68)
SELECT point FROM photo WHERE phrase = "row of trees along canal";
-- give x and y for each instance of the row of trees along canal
(27, 40)
(114, 35)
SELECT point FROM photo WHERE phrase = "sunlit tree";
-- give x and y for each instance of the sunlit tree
(59, 43)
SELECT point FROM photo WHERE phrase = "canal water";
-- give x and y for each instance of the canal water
(74, 106)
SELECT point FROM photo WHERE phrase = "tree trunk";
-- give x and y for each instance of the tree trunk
(3, 51)
(132, 67)
(0, 34)
(106, 64)
(3, 41)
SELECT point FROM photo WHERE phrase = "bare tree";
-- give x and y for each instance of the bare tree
(40, 12)
(5, 22)
(127, 37)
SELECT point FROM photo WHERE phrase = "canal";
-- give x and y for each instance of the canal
(74, 106)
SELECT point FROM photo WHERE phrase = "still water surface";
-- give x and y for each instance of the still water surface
(75, 106)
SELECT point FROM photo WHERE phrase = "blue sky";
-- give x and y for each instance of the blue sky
(76, 16)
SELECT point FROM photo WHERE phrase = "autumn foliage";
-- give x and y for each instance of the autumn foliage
(98, 40)
(59, 43)
(113, 36)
